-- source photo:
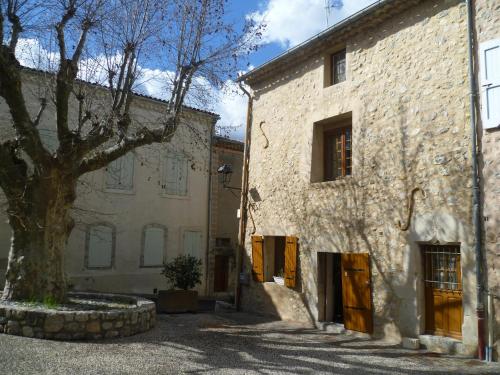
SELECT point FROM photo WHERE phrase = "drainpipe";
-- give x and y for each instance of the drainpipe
(475, 185)
(244, 200)
(209, 202)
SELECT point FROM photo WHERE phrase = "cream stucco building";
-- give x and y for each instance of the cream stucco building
(145, 208)
(360, 177)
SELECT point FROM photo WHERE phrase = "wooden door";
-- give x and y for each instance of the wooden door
(356, 292)
(221, 273)
(443, 291)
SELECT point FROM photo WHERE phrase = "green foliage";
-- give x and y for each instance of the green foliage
(183, 272)
(50, 302)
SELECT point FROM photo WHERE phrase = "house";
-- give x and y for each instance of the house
(144, 208)
(360, 177)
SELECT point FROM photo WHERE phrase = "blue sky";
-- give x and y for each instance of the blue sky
(288, 23)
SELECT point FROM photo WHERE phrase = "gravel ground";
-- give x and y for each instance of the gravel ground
(234, 343)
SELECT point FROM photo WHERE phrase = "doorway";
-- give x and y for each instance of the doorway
(221, 274)
(344, 290)
(443, 290)
(330, 288)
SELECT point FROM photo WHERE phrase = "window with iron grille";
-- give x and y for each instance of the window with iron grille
(442, 267)
(339, 67)
(338, 153)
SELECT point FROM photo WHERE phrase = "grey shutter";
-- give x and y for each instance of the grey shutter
(175, 174)
(192, 243)
(100, 246)
(489, 56)
(154, 246)
(120, 173)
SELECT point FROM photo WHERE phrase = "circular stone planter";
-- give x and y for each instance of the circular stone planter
(88, 316)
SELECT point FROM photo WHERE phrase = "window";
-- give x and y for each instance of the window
(338, 153)
(442, 267)
(100, 246)
(192, 243)
(222, 242)
(153, 245)
(338, 67)
(489, 56)
(120, 173)
(274, 256)
(175, 171)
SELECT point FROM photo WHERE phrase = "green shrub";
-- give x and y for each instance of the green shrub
(183, 272)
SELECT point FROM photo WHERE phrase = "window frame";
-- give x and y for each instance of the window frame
(333, 73)
(143, 244)
(328, 174)
(87, 246)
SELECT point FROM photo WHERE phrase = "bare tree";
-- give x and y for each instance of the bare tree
(188, 38)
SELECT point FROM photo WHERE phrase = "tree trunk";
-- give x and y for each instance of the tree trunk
(41, 225)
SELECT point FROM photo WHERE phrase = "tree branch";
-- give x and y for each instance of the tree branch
(16, 24)
(143, 137)
(43, 105)
(11, 91)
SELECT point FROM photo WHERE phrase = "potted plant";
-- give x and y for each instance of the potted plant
(280, 278)
(182, 273)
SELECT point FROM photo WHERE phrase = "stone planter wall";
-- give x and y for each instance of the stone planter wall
(44, 323)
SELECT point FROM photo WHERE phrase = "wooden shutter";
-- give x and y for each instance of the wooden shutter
(290, 261)
(127, 172)
(171, 174)
(356, 292)
(182, 177)
(192, 244)
(258, 258)
(489, 59)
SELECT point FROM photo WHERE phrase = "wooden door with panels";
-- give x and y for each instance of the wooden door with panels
(443, 290)
(356, 292)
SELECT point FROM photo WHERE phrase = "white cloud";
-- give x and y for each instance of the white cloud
(292, 22)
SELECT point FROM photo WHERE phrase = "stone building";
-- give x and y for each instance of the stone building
(143, 209)
(360, 177)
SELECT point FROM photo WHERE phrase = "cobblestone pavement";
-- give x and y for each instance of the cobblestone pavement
(228, 343)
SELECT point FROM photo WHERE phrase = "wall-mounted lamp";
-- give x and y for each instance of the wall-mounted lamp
(226, 171)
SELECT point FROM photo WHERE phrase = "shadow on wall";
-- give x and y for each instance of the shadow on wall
(360, 214)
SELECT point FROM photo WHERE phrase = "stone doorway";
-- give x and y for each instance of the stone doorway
(330, 301)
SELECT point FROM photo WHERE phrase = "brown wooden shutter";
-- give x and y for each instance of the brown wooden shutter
(290, 261)
(258, 258)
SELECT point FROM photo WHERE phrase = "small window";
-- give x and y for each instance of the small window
(175, 172)
(222, 242)
(100, 246)
(120, 173)
(338, 153)
(153, 246)
(338, 67)
(331, 157)
(192, 244)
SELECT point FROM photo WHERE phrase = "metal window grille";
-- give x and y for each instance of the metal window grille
(442, 267)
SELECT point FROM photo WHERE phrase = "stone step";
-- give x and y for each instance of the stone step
(446, 345)
(331, 327)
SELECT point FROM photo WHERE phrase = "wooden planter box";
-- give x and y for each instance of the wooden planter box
(177, 301)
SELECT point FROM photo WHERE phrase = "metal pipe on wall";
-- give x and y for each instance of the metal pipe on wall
(480, 311)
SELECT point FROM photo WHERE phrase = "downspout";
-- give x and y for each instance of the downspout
(244, 199)
(475, 184)
(209, 200)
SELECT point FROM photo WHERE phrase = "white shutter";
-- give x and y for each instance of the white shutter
(120, 173)
(171, 174)
(175, 174)
(127, 172)
(183, 173)
(192, 243)
(100, 246)
(489, 56)
(154, 246)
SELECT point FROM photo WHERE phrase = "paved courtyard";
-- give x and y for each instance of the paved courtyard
(234, 343)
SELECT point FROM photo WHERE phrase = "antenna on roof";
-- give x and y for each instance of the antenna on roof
(329, 6)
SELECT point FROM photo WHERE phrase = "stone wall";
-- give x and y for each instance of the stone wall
(407, 94)
(487, 28)
(22, 320)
